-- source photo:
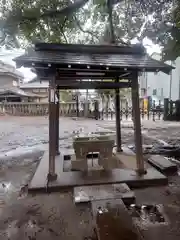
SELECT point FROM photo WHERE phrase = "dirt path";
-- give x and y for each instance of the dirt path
(54, 216)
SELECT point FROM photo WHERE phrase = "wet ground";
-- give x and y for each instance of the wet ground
(54, 216)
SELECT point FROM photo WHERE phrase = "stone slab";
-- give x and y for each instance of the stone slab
(163, 164)
(68, 180)
(99, 192)
(39, 180)
(113, 221)
(129, 161)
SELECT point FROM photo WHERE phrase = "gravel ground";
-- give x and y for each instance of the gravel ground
(54, 216)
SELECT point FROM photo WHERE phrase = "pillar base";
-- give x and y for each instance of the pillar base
(141, 172)
(52, 177)
(120, 150)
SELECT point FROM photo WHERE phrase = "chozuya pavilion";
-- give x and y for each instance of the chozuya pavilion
(64, 66)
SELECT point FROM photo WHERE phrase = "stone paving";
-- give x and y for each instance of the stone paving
(23, 141)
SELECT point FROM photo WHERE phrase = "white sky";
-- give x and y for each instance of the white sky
(7, 56)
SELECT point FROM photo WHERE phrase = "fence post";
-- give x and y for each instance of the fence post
(126, 111)
(142, 106)
(153, 110)
(96, 110)
(171, 108)
(159, 113)
(166, 109)
(77, 105)
(148, 107)
(177, 110)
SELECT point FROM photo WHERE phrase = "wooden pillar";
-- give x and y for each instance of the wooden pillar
(57, 122)
(52, 129)
(118, 118)
(137, 124)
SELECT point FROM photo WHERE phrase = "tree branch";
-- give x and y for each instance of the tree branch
(65, 38)
(73, 7)
(84, 31)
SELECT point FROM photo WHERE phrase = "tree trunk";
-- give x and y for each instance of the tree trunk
(111, 27)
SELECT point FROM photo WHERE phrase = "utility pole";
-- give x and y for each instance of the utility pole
(170, 85)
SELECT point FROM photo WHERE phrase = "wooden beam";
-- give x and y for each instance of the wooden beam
(83, 77)
(91, 85)
(88, 70)
(95, 77)
(52, 130)
(57, 122)
(137, 125)
(85, 73)
(118, 117)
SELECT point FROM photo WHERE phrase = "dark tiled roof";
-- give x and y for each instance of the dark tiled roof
(133, 57)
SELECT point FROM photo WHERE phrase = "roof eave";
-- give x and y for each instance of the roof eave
(160, 69)
(23, 61)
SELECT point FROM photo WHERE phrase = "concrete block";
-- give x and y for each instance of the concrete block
(163, 164)
(99, 192)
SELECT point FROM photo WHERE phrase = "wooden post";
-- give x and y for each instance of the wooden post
(137, 124)
(118, 118)
(166, 109)
(52, 129)
(57, 122)
(77, 104)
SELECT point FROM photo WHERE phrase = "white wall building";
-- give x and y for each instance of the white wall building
(160, 84)
(9, 76)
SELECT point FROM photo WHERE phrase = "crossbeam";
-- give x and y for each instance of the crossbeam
(73, 74)
(91, 85)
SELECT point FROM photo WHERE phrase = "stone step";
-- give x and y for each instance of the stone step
(163, 164)
(99, 192)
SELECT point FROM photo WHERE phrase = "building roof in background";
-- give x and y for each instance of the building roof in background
(35, 83)
(8, 69)
(17, 91)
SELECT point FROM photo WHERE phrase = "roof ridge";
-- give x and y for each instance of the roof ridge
(111, 48)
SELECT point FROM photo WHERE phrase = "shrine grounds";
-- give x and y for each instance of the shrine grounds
(23, 141)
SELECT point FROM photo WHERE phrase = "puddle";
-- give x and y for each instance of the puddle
(147, 214)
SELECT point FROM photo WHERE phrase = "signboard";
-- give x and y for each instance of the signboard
(52, 95)
(56, 98)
